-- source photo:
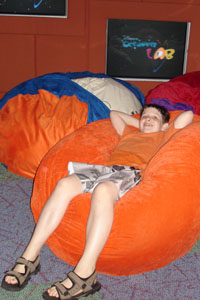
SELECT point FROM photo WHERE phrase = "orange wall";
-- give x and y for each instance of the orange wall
(30, 47)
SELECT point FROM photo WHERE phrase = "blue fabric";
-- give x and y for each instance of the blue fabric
(60, 84)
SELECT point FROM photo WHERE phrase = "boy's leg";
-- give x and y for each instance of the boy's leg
(50, 217)
(99, 224)
(98, 229)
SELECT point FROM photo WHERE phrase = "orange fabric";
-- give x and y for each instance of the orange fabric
(136, 148)
(155, 223)
(30, 125)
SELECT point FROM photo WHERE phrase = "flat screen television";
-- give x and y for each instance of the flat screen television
(34, 8)
(146, 49)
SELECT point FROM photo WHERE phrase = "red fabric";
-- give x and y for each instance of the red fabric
(31, 124)
(185, 89)
(155, 223)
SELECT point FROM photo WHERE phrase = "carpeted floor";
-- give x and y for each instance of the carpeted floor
(178, 281)
(34, 292)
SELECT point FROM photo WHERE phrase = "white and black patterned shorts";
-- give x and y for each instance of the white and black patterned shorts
(91, 175)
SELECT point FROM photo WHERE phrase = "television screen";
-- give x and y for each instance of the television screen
(46, 8)
(145, 49)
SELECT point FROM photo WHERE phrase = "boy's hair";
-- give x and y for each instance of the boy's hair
(164, 112)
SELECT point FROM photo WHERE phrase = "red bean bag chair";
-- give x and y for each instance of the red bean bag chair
(155, 223)
(183, 89)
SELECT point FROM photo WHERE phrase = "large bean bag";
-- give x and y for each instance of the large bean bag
(155, 223)
(183, 89)
(39, 112)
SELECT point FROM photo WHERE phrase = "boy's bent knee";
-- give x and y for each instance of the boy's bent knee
(71, 180)
(107, 190)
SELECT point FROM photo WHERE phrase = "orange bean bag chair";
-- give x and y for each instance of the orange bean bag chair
(39, 112)
(155, 223)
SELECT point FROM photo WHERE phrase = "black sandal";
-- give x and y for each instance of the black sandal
(86, 286)
(31, 268)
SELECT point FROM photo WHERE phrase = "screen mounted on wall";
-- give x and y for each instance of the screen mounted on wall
(34, 8)
(145, 49)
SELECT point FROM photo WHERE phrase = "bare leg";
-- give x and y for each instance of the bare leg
(98, 229)
(51, 215)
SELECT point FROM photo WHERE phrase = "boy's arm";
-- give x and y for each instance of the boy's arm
(119, 120)
(183, 119)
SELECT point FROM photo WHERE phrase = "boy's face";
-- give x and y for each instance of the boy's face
(151, 121)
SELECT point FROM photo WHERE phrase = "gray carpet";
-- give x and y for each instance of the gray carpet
(178, 281)
(34, 292)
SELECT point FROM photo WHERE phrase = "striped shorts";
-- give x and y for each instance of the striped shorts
(91, 175)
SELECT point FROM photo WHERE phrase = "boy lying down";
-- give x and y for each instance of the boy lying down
(107, 184)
